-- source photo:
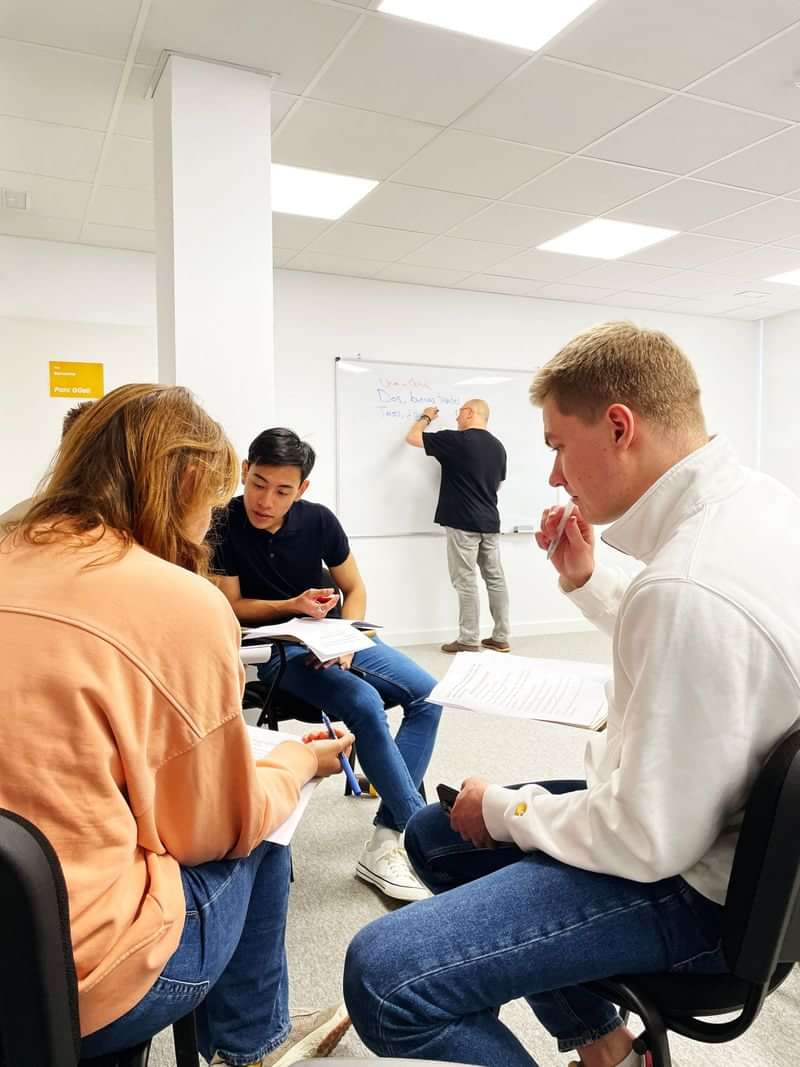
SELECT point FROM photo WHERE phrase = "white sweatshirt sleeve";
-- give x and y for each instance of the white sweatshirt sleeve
(697, 675)
(599, 599)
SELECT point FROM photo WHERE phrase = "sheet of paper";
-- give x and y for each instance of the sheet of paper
(262, 743)
(326, 638)
(549, 690)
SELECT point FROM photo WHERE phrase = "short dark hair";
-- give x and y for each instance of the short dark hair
(280, 447)
(73, 414)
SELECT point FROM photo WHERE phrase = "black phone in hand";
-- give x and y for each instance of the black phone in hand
(447, 797)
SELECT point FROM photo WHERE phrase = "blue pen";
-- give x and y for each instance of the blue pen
(355, 788)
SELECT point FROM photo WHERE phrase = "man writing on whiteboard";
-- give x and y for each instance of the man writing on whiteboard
(473, 466)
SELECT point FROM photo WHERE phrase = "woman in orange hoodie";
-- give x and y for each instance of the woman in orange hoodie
(122, 677)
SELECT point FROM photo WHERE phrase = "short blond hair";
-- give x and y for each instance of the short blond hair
(620, 363)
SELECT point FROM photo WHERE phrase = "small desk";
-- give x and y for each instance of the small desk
(253, 654)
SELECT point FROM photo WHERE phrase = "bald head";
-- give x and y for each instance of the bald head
(474, 415)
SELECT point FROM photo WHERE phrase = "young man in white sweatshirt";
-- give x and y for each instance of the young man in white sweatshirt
(543, 888)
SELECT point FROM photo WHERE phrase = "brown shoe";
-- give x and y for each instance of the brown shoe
(456, 646)
(496, 646)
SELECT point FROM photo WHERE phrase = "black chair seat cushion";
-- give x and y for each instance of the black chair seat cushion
(685, 995)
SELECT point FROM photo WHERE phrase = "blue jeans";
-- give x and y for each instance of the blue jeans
(394, 766)
(230, 964)
(427, 981)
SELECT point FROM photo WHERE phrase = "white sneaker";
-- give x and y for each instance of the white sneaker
(386, 866)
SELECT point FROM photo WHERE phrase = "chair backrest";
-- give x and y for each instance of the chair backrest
(38, 989)
(762, 910)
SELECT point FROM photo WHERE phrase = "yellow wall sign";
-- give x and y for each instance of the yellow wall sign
(83, 381)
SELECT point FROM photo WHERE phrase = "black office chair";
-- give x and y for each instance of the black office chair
(38, 988)
(761, 931)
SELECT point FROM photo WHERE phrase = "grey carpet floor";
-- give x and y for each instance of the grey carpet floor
(328, 905)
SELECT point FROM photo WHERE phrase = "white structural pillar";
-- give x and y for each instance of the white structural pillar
(214, 240)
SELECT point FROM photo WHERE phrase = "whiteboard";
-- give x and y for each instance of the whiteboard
(384, 487)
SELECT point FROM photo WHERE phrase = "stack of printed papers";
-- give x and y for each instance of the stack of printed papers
(550, 690)
(326, 638)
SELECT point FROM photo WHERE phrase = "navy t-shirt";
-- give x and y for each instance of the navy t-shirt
(473, 466)
(277, 566)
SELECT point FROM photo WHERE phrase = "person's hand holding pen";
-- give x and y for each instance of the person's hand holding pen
(569, 542)
(329, 750)
(316, 603)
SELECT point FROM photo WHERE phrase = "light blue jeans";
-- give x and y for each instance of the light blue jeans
(395, 766)
(230, 964)
(426, 982)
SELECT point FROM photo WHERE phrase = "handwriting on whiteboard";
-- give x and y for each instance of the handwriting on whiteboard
(397, 398)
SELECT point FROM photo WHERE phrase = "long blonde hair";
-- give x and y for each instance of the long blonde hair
(138, 462)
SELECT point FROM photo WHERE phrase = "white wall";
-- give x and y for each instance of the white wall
(780, 443)
(105, 301)
(319, 317)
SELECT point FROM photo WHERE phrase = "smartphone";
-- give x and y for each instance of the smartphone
(447, 797)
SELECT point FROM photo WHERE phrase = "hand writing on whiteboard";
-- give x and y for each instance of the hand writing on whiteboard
(432, 413)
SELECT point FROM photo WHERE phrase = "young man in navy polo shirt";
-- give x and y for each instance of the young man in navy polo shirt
(270, 550)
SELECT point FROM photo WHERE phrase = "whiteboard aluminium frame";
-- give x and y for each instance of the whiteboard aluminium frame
(394, 363)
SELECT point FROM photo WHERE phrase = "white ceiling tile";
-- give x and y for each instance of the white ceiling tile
(41, 148)
(325, 264)
(135, 118)
(462, 162)
(492, 283)
(755, 312)
(790, 242)
(410, 207)
(555, 105)
(674, 43)
(450, 71)
(584, 294)
(763, 80)
(683, 134)
(296, 231)
(542, 266)
(689, 284)
(128, 163)
(51, 198)
(127, 208)
(686, 204)
(588, 186)
(620, 274)
(794, 195)
(93, 26)
(52, 86)
(119, 237)
(456, 254)
(23, 224)
(772, 166)
(368, 242)
(758, 263)
(404, 272)
(766, 222)
(643, 300)
(281, 256)
(709, 306)
(280, 105)
(516, 224)
(346, 141)
(688, 250)
(293, 38)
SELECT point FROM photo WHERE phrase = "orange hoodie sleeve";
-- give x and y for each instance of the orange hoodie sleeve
(213, 802)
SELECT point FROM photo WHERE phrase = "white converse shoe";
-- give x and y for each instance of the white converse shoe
(385, 865)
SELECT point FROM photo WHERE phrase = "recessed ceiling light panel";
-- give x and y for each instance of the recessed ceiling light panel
(318, 193)
(789, 277)
(606, 239)
(527, 24)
